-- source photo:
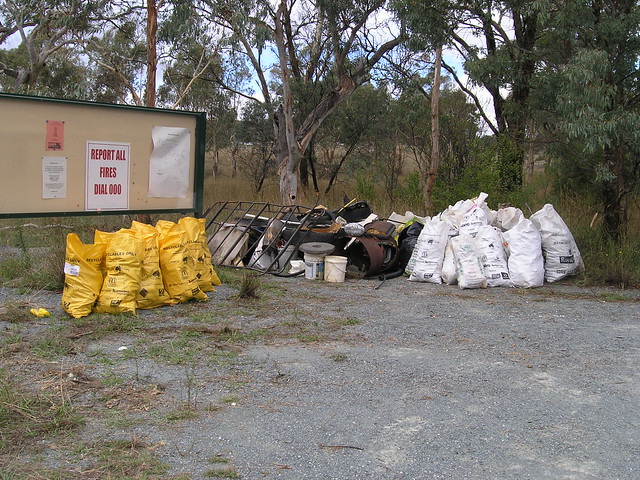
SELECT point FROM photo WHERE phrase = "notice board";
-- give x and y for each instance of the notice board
(60, 157)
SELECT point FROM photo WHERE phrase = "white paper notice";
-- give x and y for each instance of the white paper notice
(169, 163)
(107, 175)
(54, 177)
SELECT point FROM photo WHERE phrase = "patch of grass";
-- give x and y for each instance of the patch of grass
(100, 358)
(13, 268)
(110, 379)
(616, 297)
(7, 342)
(339, 357)
(182, 413)
(101, 325)
(230, 276)
(274, 288)
(27, 416)
(49, 274)
(230, 399)
(347, 321)
(116, 323)
(209, 317)
(607, 261)
(580, 295)
(16, 312)
(218, 459)
(309, 337)
(52, 346)
(117, 419)
(178, 351)
(123, 459)
(228, 472)
(223, 358)
(292, 324)
(20, 471)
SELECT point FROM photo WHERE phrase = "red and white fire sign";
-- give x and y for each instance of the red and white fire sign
(107, 176)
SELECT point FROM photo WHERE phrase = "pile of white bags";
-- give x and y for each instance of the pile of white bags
(476, 247)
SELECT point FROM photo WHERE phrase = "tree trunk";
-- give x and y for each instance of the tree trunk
(216, 162)
(435, 133)
(152, 53)
(152, 66)
(290, 151)
(613, 194)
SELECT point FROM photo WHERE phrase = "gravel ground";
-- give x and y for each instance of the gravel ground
(419, 381)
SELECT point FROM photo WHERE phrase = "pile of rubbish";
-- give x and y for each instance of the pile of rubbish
(138, 267)
(476, 247)
(467, 244)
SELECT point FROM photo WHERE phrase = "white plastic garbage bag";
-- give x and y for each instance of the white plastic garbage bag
(468, 264)
(523, 245)
(473, 220)
(561, 255)
(507, 218)
(449, 275)
(493, 256)
(429, 252)
(453, 215)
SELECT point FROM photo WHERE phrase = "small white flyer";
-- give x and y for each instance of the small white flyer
(54, 177)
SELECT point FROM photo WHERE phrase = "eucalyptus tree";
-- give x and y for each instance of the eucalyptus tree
(287, 44)
(255, 136)
(349, 135)
(497, 41)
(43, 28)
(591, 94)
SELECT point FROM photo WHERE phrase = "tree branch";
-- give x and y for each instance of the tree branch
(473, 96)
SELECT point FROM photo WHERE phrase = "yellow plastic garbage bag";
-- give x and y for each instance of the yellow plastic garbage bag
(177, 265)
(152, 291)
(83, 276)
(197, 245)
(122, 281)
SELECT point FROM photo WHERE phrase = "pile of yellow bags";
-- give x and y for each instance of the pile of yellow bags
(138, 267)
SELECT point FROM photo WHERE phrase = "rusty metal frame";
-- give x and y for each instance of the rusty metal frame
(258, 218)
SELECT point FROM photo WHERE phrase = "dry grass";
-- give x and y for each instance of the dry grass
(27, 416)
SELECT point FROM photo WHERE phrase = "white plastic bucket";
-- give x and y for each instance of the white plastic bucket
(314, 266)
(335, 268)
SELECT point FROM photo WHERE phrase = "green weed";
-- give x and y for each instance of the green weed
(182, 413)
(52, 346)
(218, 459)
(230, 399)
(229, 472)
(339, 357)
(249, 286)
(309, 337)
(223, 358)
(345, 322)
(12, 268)
(110, 379)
